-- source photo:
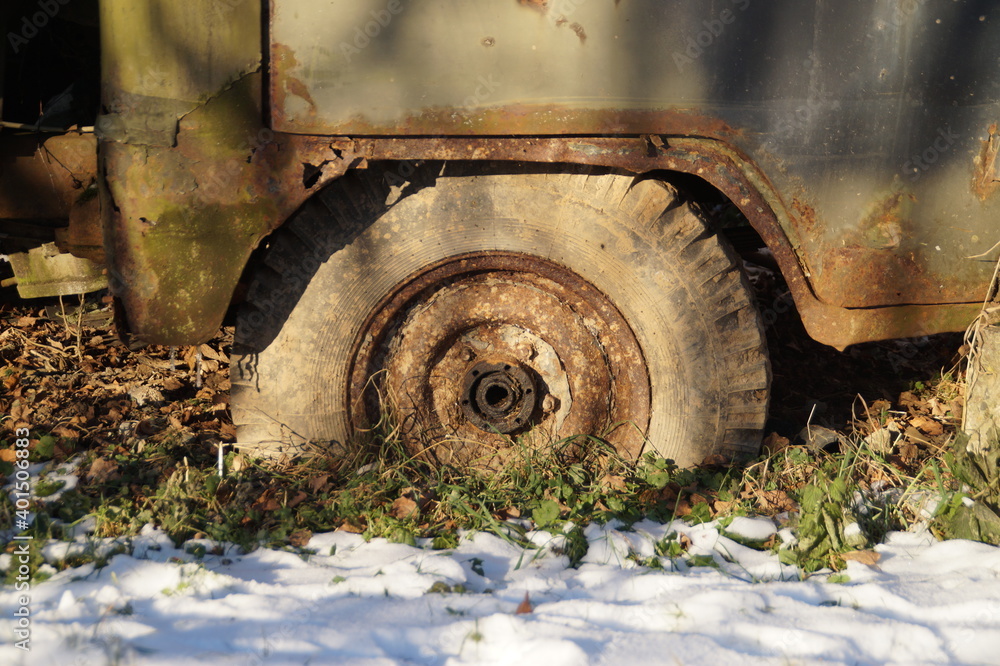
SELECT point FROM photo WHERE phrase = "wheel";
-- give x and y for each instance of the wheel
(482, 307)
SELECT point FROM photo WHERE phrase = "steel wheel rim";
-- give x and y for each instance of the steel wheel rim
(564, 360)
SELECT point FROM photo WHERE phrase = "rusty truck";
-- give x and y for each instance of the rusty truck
(492, 220)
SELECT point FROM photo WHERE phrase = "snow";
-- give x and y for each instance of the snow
(347, 601)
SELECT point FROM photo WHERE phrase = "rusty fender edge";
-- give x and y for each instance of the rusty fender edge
(182, 231)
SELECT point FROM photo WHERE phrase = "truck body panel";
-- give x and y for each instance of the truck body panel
(874, 125)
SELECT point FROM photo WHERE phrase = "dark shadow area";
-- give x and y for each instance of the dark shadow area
(810, 378)
(51, 63)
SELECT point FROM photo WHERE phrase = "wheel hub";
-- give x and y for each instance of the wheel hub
(498, 397)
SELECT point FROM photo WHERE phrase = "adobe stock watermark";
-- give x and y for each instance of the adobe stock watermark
(21, 556)
(920, 163)
(805, 117)
(485, 87)
(363, 35)
(696, 44)
(148, 83)
(31, 25)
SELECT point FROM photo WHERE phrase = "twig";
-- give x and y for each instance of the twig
(197, 365)
(62, 311)
(60, 352)
(980, 256)
(79, 332)
(809, 433)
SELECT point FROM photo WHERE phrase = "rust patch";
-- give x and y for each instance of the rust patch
(43, 177)
(575, 27)
(986, 180)
(872, 277)
(841, 327)
(560, 21)
(830, 324)
(882, 227)
(528, 316)
(265, 185)
(805, 218)
(284, 84)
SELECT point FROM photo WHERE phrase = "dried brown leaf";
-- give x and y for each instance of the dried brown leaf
(613, 482)
(239, 463)
(102, 470)
(525, 606)
(266, 502)
(867, 557)
(319, 484)
(775, 501)
(347, 526)
(172, 384)
(928, 426)
(722, 507)
(297, 499)
(300, 538)
(775, 443)
(404, 508)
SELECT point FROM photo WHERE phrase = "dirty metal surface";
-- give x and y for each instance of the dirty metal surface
(538, 348)
(41, 177)
(871, 125)
(182, 221)
(498, 395)
(44, 271)
(986, 180)
(163, 59)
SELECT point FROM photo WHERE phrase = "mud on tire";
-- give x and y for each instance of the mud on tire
(490, 305)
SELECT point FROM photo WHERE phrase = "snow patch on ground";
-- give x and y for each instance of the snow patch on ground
(348, 601)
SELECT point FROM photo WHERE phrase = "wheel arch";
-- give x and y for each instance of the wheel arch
(719, 167)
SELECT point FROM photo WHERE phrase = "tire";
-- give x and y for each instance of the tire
(480, 307)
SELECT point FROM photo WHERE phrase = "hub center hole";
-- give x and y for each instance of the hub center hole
(496, 394)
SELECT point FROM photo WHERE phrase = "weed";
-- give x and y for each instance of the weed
(973, 511)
